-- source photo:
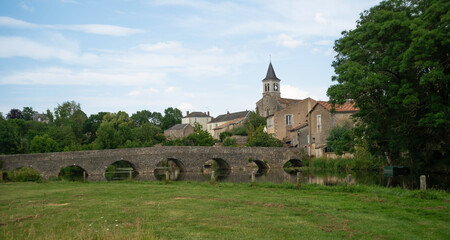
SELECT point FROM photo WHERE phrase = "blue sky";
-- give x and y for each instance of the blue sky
(196, 55)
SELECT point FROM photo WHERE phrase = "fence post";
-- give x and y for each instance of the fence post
(131, 175)
(349, 179)
(298, 177)
(423, 183)
(167, 176)
(213, 177)
(84, 176)
(1, 176)
(253, 177)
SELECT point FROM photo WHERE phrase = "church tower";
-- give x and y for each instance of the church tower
(271, 84)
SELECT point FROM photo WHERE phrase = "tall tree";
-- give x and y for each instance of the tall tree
(64, 111)
(395, 65)
(28, 113)
(14, 114)
(172, 116)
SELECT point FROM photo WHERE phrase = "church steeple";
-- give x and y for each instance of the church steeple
(271, 84)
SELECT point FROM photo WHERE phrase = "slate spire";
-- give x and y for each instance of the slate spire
(271, 73)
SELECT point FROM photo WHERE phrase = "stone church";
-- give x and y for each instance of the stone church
(272, 102)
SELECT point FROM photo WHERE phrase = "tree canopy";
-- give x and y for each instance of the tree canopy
(395, 66)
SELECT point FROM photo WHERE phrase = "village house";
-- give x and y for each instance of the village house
(226, 122)
(179, 131)
(322, 119)
(194, 118)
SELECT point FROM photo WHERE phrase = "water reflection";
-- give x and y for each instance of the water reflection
(307, 177)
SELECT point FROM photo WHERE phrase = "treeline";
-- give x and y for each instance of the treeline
(70, 129)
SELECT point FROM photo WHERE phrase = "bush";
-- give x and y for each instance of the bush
(229, 142)
(224, 135)
(24, 174)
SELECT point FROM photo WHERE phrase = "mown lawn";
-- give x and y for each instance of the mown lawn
(188, 210)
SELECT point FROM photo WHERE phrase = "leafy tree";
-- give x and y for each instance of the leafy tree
(156, 119)
(43, 144)
(64, 111)
(1, 116)
(50, 116)
(259, 138)
(172, 116)
(395, 66)
(141, 117)
(92, 124)
(340, 139)
(114, 131)
(229, 142)
(28, 113)
(14, 114)
(200, 137)
(12, 133)
(63, 135)
(255, 120)
(147, 135)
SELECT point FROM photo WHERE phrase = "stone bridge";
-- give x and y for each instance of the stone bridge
(146, 160)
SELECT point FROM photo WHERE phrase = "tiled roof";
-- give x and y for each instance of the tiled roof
(299, 127)
(230, 116)
(197, 114)
(346, 107)
(288, 101)
(178, 126)
(230, 123)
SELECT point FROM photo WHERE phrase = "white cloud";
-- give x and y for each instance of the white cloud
(320, 19)
(160, 46)
(288, 91)
(185, 107)
(26, 7)
(101, 29)
(315, 50)
(323, 42)
(287, 41)
(143, 91)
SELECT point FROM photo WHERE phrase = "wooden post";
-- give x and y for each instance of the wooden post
(167, 176)
(349, 179)
(1, 175)
(299, 174)
(131, 175)
(423, 183)
(213, 177)
(84, 176)
(253, 177)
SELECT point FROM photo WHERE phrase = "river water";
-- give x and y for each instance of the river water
(412, 181)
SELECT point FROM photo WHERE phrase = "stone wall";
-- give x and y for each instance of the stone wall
(144, 160)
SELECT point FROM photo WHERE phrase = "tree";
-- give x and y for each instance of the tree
(92, 124)
(340, 139)
(259, 138)
(64, 111)
(14, 114)
(43, 144)
(172, 116)
(141, 117)
(395, 66)
(28, 113)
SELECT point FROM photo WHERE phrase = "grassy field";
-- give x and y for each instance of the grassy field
(187, 210)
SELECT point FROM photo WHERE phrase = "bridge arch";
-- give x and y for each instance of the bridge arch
(120, 170)
(292, 165)
(263, 167)
(175, 167)
(73, 173)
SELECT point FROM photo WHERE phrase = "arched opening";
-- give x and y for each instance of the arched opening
(120, 170)
(293, 166)
(219, 166)
(262, 166)
(24, 174)
(175, 167)
(73, 173)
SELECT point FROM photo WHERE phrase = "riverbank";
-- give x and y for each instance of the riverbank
(154, 210)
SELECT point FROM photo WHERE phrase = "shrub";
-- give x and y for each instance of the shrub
(229, 142)
(24, 174)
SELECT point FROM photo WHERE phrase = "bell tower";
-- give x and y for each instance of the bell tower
(271, 84)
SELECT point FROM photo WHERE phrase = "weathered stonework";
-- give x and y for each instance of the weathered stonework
(144, 160)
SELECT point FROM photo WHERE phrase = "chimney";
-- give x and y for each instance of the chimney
(187, 113)
(208, 113)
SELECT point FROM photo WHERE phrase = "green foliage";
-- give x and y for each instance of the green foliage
(224, 135)
(28, 113)
(259, 138)
(24, 174)
(172, 116)
(198, 138)
(229, 142)
(340, 139)
(43, 144)
(91, 126)
(394, 65)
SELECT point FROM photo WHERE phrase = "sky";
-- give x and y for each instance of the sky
(195, 55)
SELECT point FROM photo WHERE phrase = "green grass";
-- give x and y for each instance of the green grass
(188, 210)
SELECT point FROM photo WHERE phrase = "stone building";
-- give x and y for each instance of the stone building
(322, 119)
(272, 102)
(179, 131)
(40, 117)
(197, 117)
(226, 121)
(282, 122)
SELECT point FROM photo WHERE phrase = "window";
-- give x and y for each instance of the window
(267, 112)
(288, 120)
(275, 87)
(319, 123)
(210, 126)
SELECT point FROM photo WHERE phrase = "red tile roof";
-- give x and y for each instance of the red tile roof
(288, 101)
(346, 107)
